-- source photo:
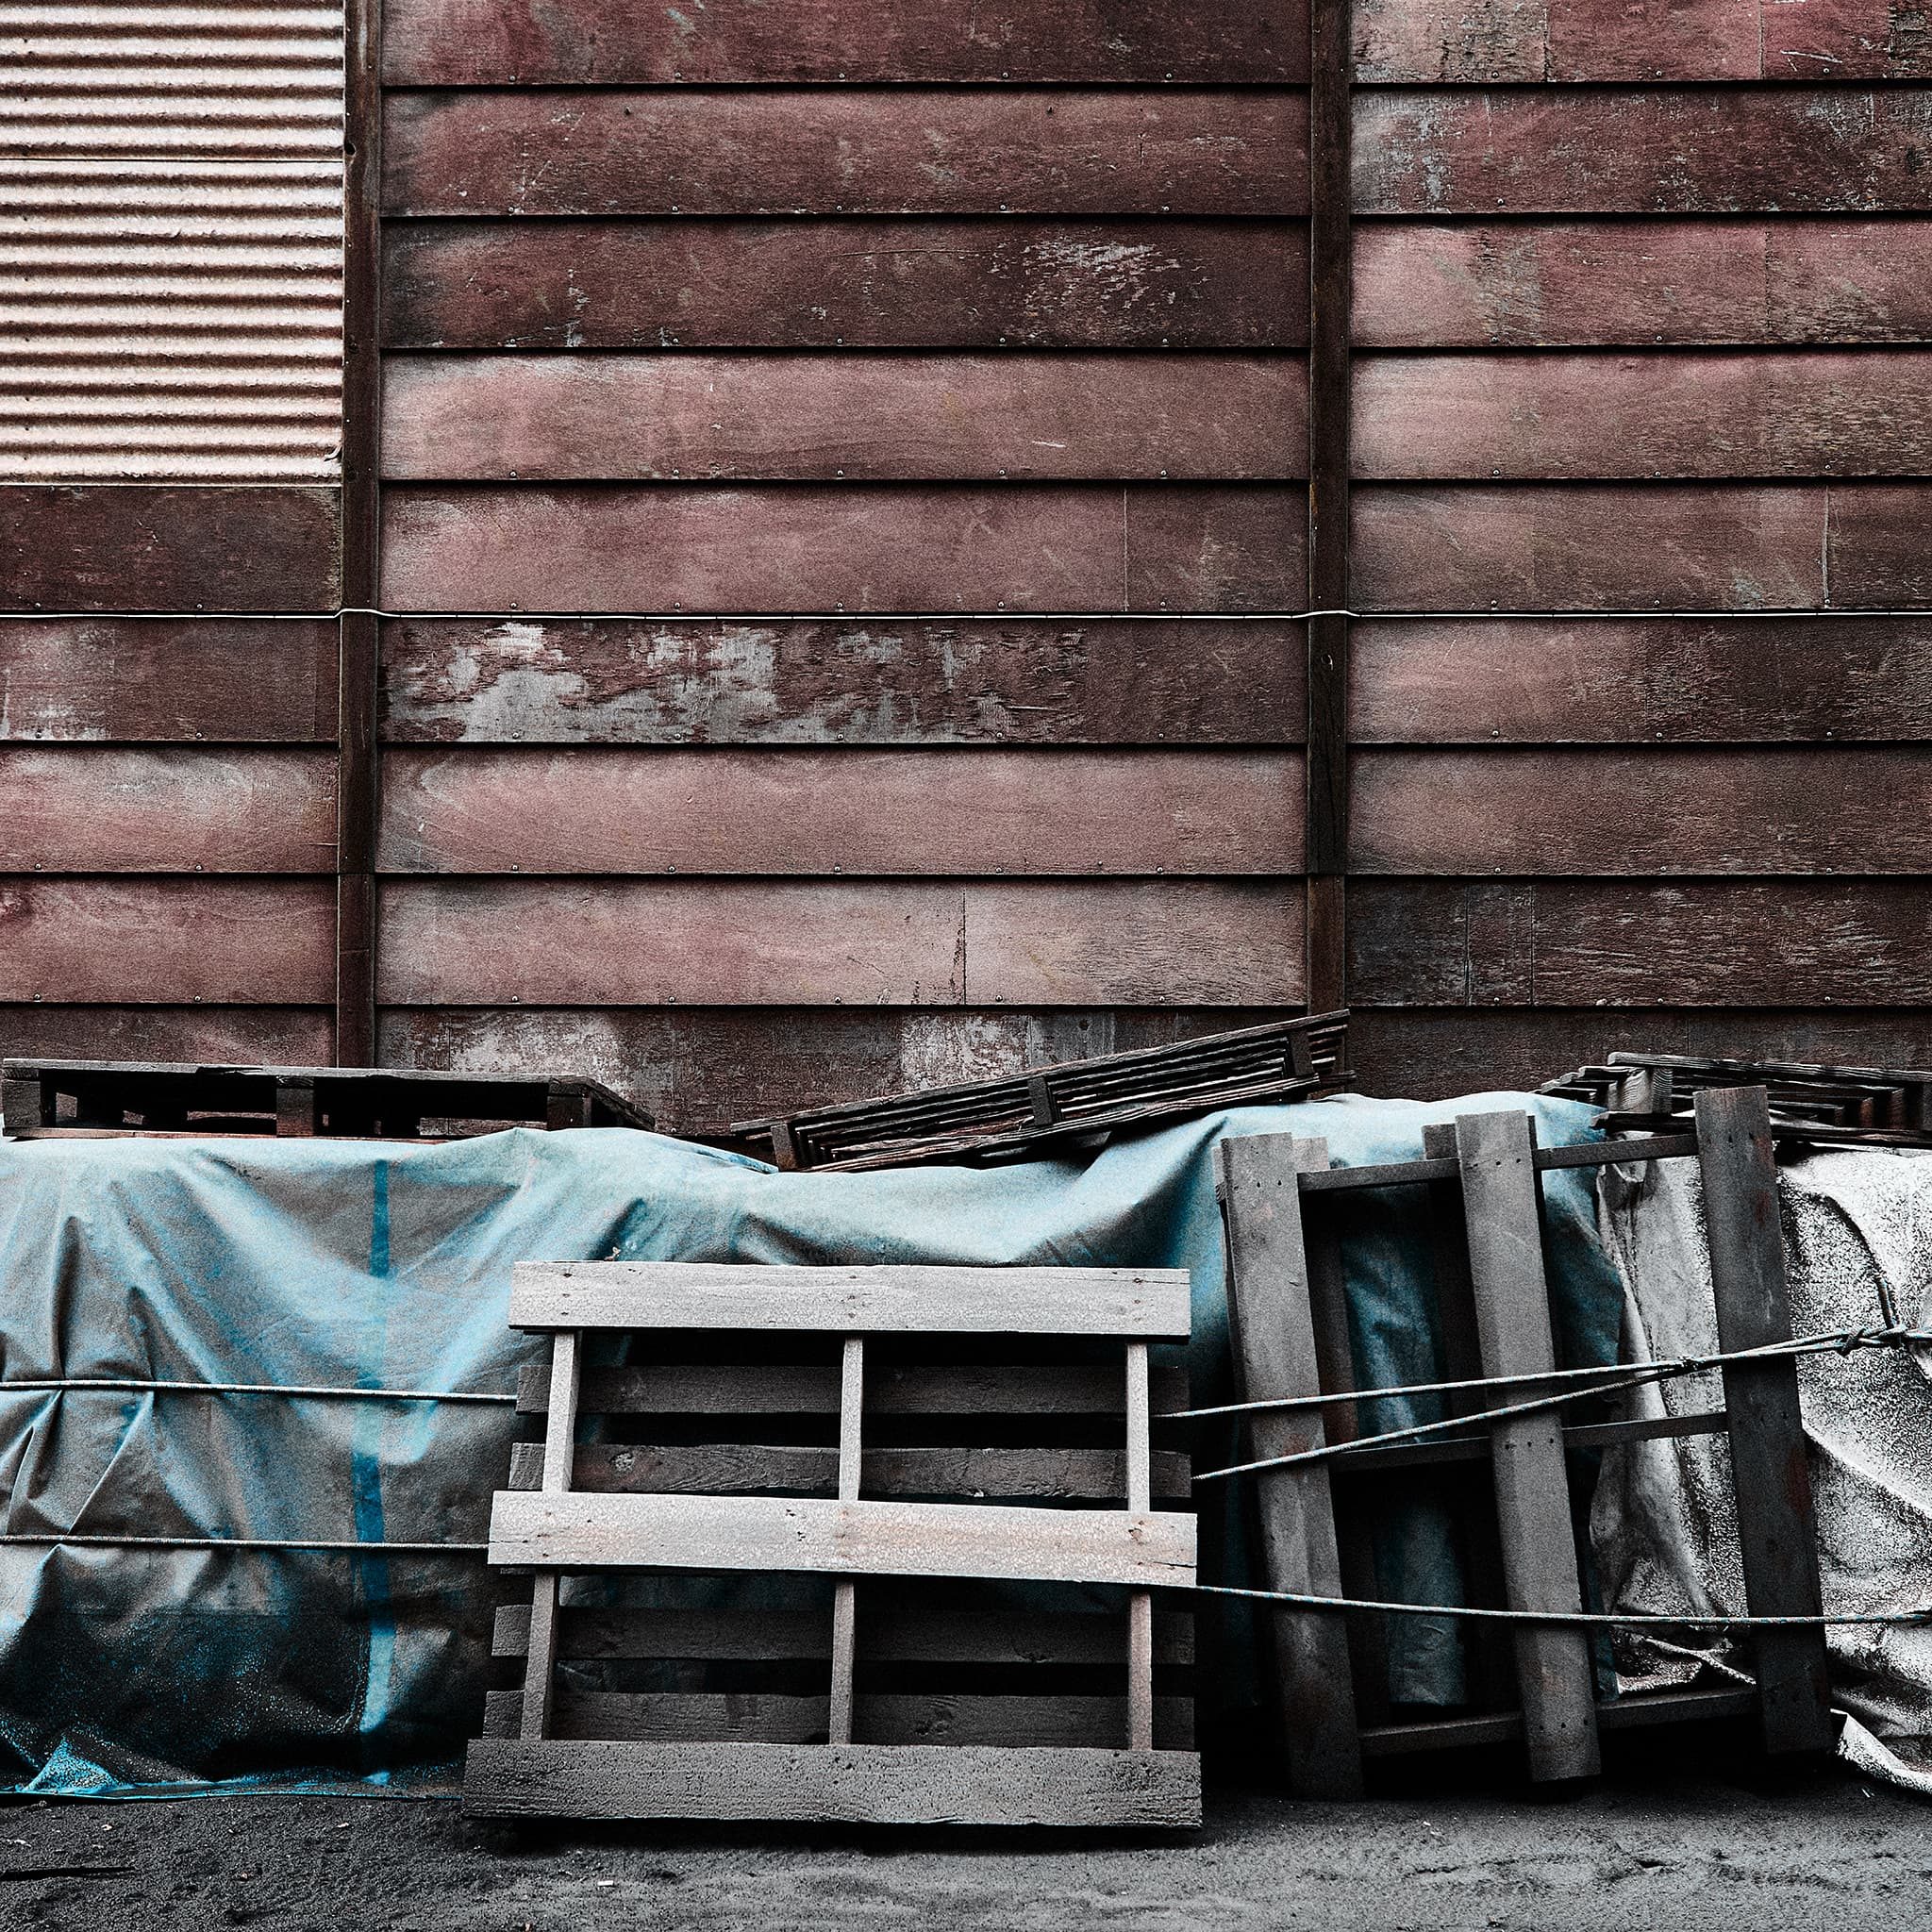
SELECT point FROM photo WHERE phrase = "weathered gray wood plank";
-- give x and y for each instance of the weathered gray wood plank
(1270, 1316)
(1150, 1303)
(1015, 1723)
(987, 1540)
(1776, 1531)
(558, 1434)
(1497, 1156)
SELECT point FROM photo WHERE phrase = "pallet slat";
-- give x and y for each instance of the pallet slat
(1150, 1303)
(902, 1784)
(735, 1469)
(1013, 1722)
(887, 1637)
(1275, 1357)
(950, 1388)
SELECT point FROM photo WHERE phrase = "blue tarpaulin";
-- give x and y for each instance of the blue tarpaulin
(369, 1264)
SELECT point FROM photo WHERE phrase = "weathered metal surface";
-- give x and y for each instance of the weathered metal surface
(814, 547)
(874, 151)
(1640, 680)
(1520, 285)
(1652, 39)
(1739, 943)
(540, 42)
(1015, 680)
(1683, 150)
(117, 547)
(1771, 412)
(801, 813)
(996, 282)
(171, 240)
(133, 680)
(1643, 812)
(175, 942)
(1017, 416)
(1668, 546)
(774, 942)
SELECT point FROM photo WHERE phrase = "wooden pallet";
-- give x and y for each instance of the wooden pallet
(46, 1100)
(1533, 1684)
(1289, 1060)
(1647, 1092)
(819, 1622)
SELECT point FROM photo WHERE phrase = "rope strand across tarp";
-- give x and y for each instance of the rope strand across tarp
(1610, 1380)
(46, 1385)
(1597, 1381)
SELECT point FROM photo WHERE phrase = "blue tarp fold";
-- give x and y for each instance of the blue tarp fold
(388, 1265)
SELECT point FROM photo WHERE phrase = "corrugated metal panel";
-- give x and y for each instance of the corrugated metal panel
(171, 242)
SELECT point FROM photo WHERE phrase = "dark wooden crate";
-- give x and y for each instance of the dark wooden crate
(83, 1099)
(1288, 1059)
(1536, 1682)
(878, 1456)
(1645, 1091)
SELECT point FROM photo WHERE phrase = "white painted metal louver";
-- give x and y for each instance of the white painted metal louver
(171, 240)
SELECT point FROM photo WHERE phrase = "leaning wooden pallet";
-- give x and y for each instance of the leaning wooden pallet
(819, 1622)
(1288, 1059)
(49, 1100)
(1291, 1341)
(1649, 1092)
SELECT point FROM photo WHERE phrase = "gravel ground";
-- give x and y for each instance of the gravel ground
(1643, 1850)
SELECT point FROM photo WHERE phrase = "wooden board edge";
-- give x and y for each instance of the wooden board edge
(859, 1784)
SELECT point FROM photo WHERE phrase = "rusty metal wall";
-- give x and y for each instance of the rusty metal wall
(171, 242)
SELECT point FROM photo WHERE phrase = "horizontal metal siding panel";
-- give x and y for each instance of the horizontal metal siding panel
(171, 243)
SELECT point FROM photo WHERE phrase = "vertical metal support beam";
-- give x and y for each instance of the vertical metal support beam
(1272, 1327)
(1139, 1602)
(1331, 277)
(359, 641)
(1776, 1533)
(1554, 1676)
(844, 1593)
(559, 1454)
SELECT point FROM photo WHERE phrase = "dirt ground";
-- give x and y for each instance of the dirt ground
(1644, 1849)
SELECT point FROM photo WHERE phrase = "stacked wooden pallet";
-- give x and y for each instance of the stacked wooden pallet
(80, 1099)
(1645, 1091)
(820, 1621)
(1536, 1684)
(1289, 1059)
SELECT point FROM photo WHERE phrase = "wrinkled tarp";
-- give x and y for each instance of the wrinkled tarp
(1857, 1229)
(388, 1265)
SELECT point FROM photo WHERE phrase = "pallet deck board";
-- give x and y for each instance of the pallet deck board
(884, 1620)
